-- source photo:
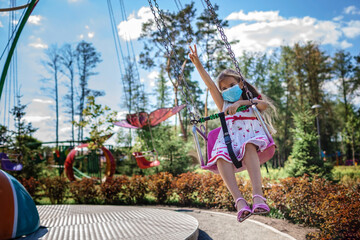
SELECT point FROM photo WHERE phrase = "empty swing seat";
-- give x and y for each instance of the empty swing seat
(143, 163)
(264, 156)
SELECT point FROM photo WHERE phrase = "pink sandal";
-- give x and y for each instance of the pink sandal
(240, 213)
(261, 206)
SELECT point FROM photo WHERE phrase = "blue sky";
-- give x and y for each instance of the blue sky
(260, 25)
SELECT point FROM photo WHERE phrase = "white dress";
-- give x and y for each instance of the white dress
(243, 128)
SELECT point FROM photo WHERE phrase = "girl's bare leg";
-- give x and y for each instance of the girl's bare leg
(227, 174)
(252, 162)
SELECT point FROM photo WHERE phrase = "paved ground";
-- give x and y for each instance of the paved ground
(219, 226)
(150, 222)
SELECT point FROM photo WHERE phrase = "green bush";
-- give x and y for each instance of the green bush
(208, 190)
(32, 186)
(55, 189)
(316, 202)
(138, 188)
(85, 191)
(111, 188)
(187, 187)
(160, 186)
(124, 193)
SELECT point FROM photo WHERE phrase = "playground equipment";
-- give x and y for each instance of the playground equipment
(10, 162)
(69, 169)
(15, 39)
(145, 120)
(19, 215)
(195, 117)
(143, 163)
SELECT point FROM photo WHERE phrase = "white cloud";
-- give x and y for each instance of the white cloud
(269, 30)
(258, 16)
(345, 44)
(351, 10)
(152, 76)
(1, 24)
(37, 43)
(353, 29)
(356, 101)
(46, 101)
(332, 87)
(74, 1)
(338, 18)
(35, 19)
(131, 29)
(81, 36)
(91, 35)
(33, 119)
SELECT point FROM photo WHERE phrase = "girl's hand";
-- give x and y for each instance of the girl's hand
(193, 55)
(231, 110)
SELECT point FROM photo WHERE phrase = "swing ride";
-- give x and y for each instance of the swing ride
(140, 119)
(194, 115)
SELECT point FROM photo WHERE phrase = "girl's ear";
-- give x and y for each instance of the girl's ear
(241, 84)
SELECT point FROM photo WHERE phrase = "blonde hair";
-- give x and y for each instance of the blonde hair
(269, 113)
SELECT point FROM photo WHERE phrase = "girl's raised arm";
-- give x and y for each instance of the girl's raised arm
(214, 91)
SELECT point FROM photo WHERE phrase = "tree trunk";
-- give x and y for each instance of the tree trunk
(56, 106)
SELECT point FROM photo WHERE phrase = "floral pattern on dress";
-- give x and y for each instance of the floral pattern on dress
(243, 128)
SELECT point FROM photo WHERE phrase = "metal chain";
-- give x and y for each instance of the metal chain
(177, 69)
(178, 72)
(228, 47)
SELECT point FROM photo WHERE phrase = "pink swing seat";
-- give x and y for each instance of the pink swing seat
(264, 156)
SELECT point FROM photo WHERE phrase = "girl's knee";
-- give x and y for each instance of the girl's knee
(250, 147)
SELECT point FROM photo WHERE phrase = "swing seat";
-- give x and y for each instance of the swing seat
(8, 164)
(143, 163)
(264, 156)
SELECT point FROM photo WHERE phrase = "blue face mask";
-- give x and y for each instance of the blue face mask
(232, 94)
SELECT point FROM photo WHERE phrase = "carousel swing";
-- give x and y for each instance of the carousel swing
(212, 136)
(142, 120)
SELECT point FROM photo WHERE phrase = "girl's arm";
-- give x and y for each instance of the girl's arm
(214, 91)
(231, 110)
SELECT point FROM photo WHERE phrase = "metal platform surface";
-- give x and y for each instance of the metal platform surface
(97, 222)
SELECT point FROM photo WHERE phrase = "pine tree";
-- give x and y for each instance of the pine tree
(305, 158)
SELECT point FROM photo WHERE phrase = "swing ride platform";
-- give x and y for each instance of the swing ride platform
(94, 222)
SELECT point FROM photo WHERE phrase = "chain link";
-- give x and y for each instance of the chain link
(177, 69)
(228, 47)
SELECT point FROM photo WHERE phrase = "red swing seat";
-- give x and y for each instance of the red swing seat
(143, 163)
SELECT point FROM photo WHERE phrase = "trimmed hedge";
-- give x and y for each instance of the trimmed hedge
(316, 202)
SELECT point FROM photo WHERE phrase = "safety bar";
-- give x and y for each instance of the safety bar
(261, 120)
(195, 132)
(152, 153)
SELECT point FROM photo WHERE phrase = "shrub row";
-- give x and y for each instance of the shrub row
(331, 207)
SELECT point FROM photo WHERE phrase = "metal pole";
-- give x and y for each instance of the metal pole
(318, 132)
(316, 107)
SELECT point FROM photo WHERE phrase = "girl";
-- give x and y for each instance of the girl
(248, 137)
